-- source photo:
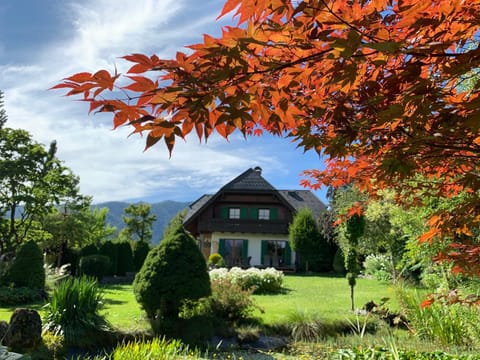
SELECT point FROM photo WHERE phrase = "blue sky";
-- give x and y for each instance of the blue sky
(43, 41)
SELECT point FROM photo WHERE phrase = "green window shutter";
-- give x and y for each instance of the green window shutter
(224, 212)
(273, 213)
(221, 247)
(254, 213)
(288, 254)
(243, 213)
(244, 251)
(264, 252)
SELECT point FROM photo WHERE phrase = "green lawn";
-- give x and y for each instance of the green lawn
(121, 308)
(328, 296)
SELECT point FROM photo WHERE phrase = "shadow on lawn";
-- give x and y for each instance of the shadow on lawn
(114, 287)
(110, 301)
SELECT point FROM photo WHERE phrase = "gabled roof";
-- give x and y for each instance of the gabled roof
(250, 180)
(299, 199)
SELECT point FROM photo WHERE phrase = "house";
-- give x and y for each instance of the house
(247, 221)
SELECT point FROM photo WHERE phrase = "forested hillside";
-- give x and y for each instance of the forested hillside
(163, 210)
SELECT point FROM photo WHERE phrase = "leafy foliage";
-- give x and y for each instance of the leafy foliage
(355, 226)
(447, 321)
(19, 296)
(125, 258)
(95, 266)
(109, 249)
(265, 281)
(229, 302)
(73, 225)
(138, 221)
(33, 180)
(305, 238)
(140, 252)
(156, 349)
(359, 82)
(90, 249)
(73, 311)
(27, 269)
(379, 267)
(215, 260)
(393, 353)
(173, 272)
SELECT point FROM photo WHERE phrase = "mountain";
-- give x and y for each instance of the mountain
(164, 211)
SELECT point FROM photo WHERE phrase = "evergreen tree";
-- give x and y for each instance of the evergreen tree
(138, 221)
(173, 272)
(305, 238)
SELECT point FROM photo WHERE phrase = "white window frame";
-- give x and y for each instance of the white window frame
(263, 214)
(234, 213)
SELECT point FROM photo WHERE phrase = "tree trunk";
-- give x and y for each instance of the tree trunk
(352, 297)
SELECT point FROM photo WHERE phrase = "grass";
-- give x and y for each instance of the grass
(321, 297)
(328, 297)
(122, 310)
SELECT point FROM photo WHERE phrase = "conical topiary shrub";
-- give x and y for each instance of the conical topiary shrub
(173, 272)
(27, 269)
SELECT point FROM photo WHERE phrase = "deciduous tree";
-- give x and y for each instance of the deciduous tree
(374, 86)
(32, 181)
(75, 224)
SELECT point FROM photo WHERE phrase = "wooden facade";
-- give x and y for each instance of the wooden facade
(247, 221)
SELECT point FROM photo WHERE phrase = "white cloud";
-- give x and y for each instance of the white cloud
(111, 165)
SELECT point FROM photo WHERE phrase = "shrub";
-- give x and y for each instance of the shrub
(173, 272)
(305, 326)
(229, 301)
(27, 269)
(379, 267)
(90, 249)
(52, 347)
(20, 296)
(339, 262)
(125, 258)
(72, 257)
(450, 323)
(266, 281)
(94, 265)
(216, 260)
(73, 311)
(140, 252)
(109, 249)
(156, 349)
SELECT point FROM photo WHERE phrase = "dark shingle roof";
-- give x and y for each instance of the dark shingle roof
(250, 180)
(196, 205)
(299, 199)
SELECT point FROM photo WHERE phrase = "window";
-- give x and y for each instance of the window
(275, 253)
(234, 251)
(234, 213)
(263, 214)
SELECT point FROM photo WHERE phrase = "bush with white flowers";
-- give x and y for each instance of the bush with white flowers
(263, 281)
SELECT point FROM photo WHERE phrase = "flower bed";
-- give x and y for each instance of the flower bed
(265, 281)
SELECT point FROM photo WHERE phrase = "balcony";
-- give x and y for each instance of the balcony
(244, 226)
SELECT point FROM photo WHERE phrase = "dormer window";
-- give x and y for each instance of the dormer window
(234, 213)
(263, 214)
